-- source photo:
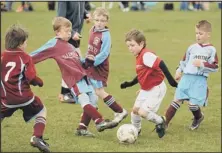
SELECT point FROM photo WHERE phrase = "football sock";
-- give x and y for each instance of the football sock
(85, 120)
(171, 111)
(110, 101)
(136, 120)
(93, 113)
(39, 126)
(195, 109)
(153, 117)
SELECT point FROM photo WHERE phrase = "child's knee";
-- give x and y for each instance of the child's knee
(42, 113)
(193, 107)
(135, 110)
(101, 93)
(142, 113)
(83, 99)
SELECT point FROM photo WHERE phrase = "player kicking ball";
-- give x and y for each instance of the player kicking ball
(150, 71)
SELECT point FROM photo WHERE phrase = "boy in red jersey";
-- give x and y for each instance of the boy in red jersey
(17, 74)
(99, 47)
(73, 74)
(150, 71)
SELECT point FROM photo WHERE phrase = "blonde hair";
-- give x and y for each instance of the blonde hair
(135, 35)
(204, 25)
(15, 36)
(101, 11)
(59, 22)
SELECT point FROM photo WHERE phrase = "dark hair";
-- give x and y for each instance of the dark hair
(15, 36)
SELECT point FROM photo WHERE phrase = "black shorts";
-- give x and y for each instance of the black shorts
(75, 43)
(29, 111)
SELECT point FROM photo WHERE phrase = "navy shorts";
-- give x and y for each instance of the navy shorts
(29, 111)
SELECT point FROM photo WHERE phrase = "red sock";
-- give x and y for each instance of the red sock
(110, 101)
(85, 120)
(93, 113)
(171, 111)
(39, 126)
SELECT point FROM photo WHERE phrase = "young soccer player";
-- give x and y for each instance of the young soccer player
(73, 74)
(17, 74)
(150, 71)
(99, 46)
(200, 59)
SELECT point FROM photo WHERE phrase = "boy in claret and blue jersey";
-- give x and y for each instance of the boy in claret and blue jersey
(200, 59)
(73, 74)
(99, 47)
(17, 74)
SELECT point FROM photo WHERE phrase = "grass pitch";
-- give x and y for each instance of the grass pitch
(168, 34)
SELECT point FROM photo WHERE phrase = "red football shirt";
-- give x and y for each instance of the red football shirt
(17, 70)
(148, 71)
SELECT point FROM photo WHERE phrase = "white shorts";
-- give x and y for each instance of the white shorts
(150, 100)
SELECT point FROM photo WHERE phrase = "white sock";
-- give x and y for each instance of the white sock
(153, 117)
(136, 120)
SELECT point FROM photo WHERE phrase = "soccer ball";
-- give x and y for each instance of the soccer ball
(127, 134)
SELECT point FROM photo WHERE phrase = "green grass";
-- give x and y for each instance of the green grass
(168, 34)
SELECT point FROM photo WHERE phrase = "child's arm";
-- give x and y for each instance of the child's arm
(184, 61)
(153, 61)
(182, 65)
(105, 49)
(211, 65)
(30, 74)
(126, 84)
(167, 73)
(44, 52)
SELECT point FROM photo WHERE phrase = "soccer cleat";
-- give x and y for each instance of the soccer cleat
(196, 123)
(160, 128)
(106, 125)
(40, 144)
(66, 98)
(120, 116)
(84, 132)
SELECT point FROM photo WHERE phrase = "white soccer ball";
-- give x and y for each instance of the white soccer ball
(127, 134)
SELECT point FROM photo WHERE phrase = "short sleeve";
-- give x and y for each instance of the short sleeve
(149, 59)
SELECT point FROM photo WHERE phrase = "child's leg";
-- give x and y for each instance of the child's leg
(136, 119)
(85, 119)
(38, 111)
(6, 112)
(91, 111)
(65, 95)
(149, 102)
(79, 90)
(198, 93)
(171, 111)
(109, 100)
(196, 111)
(198, 116)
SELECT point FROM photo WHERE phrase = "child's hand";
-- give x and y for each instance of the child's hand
(177, 76)
(76, 36)
(90, 57)
(89, 18)
(197, 62)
